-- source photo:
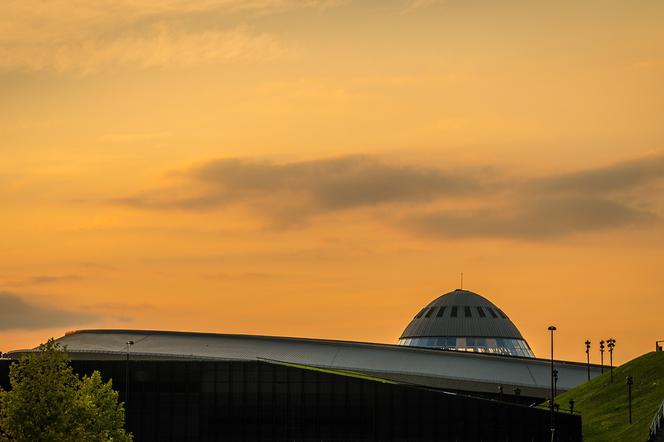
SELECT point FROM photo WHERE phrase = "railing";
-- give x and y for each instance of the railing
(657, 422)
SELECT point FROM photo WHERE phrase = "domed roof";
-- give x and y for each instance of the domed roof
(461, 313)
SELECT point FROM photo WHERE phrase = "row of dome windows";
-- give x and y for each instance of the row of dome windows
(427, 312)
(504, 346)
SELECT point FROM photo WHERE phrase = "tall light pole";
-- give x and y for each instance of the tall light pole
(552, 328)
(601, 355)
(630, 381)
(588, 356)
(129, 344)
(611, 343)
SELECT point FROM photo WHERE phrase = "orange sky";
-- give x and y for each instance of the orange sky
(324, 168)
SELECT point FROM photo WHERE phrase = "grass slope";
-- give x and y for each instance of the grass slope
(603, 404)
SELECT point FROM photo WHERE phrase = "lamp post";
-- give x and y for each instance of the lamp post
(630, 381)
(500, 393)
(552, 328)
(571, 406)
(601, 352)
(588, 356)
(129, 344)
(555, 383)
(611, 343)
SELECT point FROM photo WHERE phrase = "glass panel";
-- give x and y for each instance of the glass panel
(440, 312)
(430, 312)
(466, 312)
(419, 315)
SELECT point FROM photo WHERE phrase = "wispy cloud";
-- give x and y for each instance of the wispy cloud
(41, 280)
(432, 202)
(17, 313)
(160, 47)
(419, 4)
(128, 137)
(86, 36)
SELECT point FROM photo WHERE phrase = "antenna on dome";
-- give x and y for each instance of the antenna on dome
(461, 280)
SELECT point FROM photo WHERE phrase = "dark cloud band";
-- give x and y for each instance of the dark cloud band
(545, 207)
(16, 313)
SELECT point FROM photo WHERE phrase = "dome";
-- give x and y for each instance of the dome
(463, 320)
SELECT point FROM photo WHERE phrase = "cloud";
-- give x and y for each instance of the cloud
(432, 202)
(86, 36)
(42, 279)
(559, 205)
(541, 218)
(299, 190)
(421, 4)
(16, 313)
(619, 177)
(161, 46)
(134, 137)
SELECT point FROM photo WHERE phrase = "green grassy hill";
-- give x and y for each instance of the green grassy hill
(603, 404)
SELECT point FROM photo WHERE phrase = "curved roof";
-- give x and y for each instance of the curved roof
(453, 370)
(461, 313)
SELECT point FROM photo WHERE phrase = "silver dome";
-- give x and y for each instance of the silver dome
(463, 320)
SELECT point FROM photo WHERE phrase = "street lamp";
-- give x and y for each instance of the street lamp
(555, 383)
(552, 328)
(630, 381)
(588, 356)
(601, 352)
(611, 343)
(129, 344)
(571, 406)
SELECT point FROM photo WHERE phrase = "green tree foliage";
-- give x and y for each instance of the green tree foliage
(49, 402)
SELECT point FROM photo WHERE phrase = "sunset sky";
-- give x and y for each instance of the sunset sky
(325, 168)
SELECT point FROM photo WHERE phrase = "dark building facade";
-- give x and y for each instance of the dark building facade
(262, 401)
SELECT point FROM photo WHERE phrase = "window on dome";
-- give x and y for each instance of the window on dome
(431, 310)
(500, 312)
(466, 312)
(491, 312)
(419, 315)
(440, 312)
(481, 312)
(453, 314)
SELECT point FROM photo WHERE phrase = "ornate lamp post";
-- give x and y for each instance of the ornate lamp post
(588, 356)
(552, 328)
(601, 352)
(611, 343)
(555, 383)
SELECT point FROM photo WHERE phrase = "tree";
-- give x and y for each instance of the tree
(49, 402)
